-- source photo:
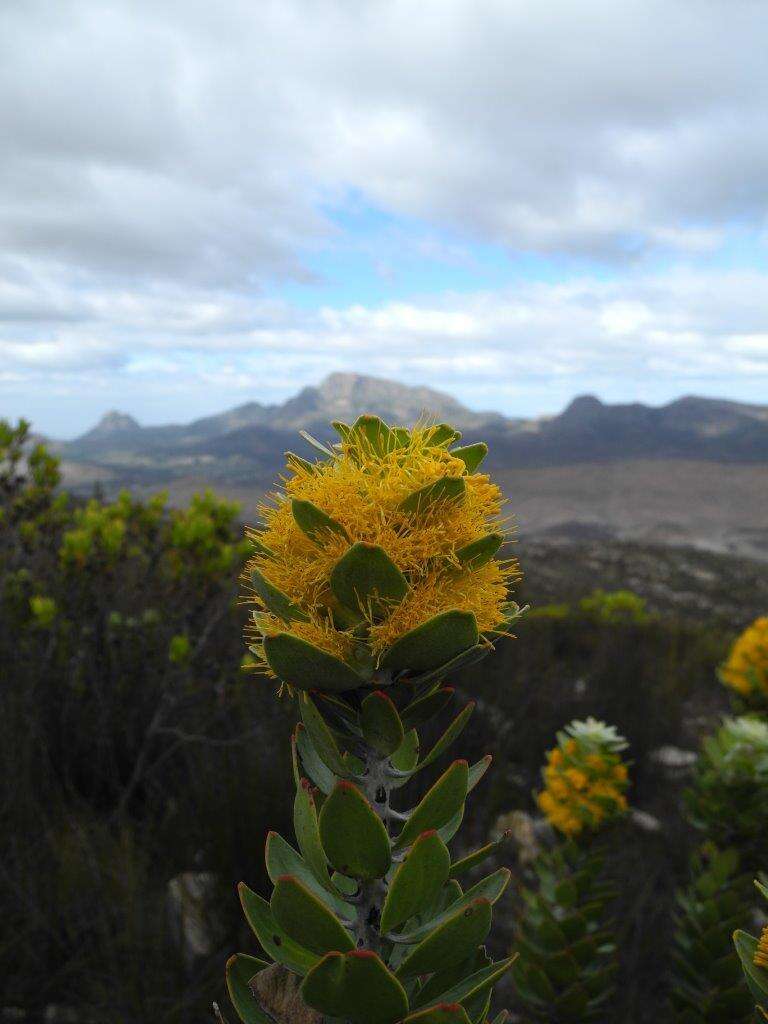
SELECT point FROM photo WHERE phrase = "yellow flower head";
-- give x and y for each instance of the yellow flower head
(585, 778)
(391, 532)
(746, 667)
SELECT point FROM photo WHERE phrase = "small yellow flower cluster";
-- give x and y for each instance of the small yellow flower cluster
(761, 953)
(746, 668)
(362, 488)
(584, 781)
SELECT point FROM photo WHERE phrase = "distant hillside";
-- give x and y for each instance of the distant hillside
(694, 471)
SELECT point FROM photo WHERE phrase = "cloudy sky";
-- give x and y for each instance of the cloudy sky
(203, 204)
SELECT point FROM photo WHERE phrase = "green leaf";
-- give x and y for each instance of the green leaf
(471, 455)
(468, 657)
(365, 577)
(433, 643)
(296, 462)
(315, 523)
(240, 969)
(273, 939)
(442, 492)
(376, 433)
(490, 888)
(478, 770)
(477, 856)
(451, 733)
(317, 445)
(355, 986)
(450, 942)
(306, 667)
(306, 919)
(443, 434)
(381, 723)
(479, 552)
(354, 838)
(282, 859)
(466, 989)
(422, 710)
(320, 774)
(451, 827)
(259, 547)
(438, 806)
(407, 754)
(275, 600)
(305, 826)
(322, 738)
(757, 977)
(417, 881)
(445, 1013)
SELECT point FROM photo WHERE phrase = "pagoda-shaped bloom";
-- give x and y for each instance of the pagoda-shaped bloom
(379, 557)
(585, 779)
(746, 667)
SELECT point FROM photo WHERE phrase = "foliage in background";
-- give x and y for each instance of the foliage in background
(565, 937)
(708, 986)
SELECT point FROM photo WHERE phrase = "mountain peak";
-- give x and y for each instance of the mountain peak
(116, 422)
(582, 408)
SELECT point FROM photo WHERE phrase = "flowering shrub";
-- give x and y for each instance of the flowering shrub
(585, 779)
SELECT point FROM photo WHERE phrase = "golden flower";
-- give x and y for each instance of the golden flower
(403, 500)
(584, 778)
(746, 667)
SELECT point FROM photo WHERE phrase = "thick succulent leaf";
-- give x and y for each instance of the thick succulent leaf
(471, 455)
(317, 445)
(381, 724)
(444, 1013)
(450, 942)
(306, 918)
(322, 738)
(463, 660)
(435, 642)
(443, 491)
(451, 827)
(374, 432)
(259, 546)
(355, 986)
(320, 774)
(407, 754)
(417, 881)
(281, 859)
(468, 988)
(275, 600)
(314, 523)
(425, 708)
(478, 770)
(443, 434)
(354, 837)
(366, 577)
(271, 936)
(756, 977)
(500, 1018)
(453, 731)
(239, 971)
(479, 552)
(491, 888)
(477, 857)
(306, 667)
(339, 707)
(305, 826)
(295, 462)
(438, 806)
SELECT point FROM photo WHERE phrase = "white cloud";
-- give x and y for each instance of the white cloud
(666, 332)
